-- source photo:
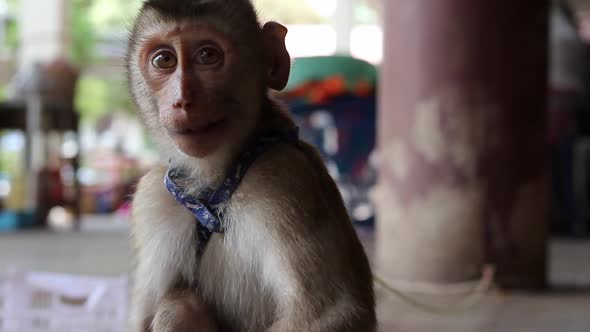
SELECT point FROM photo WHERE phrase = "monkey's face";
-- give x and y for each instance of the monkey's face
(201, 79)
(206, 88)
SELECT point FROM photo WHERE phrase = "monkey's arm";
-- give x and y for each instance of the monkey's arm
(325, 281)
(164, 247)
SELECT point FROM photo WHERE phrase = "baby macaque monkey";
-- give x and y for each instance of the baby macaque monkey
(241, 228)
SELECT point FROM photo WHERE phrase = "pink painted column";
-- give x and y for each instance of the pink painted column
(464, 176)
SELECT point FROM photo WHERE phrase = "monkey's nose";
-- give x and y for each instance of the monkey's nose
(182, 104)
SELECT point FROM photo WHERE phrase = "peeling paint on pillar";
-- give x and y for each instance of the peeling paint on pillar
(438, 197)
(427, 135)
(464, 174)
(395, 156)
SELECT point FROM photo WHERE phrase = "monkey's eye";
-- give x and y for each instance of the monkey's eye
(208, 55)
(164, 60)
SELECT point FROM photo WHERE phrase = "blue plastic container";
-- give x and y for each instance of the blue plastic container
(14, 220)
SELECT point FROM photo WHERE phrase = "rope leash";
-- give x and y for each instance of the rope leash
(470, 300)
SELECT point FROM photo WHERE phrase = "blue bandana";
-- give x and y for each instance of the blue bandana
(207, 207)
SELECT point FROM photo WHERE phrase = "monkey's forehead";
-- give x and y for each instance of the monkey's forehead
(233, 17)
(147, 27)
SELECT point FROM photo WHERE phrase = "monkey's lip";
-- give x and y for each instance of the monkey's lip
(197, 130)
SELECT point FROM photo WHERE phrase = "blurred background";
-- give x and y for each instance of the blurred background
(457, 131)
(86, 156)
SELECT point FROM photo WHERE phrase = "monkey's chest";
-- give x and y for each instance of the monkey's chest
(231, 276)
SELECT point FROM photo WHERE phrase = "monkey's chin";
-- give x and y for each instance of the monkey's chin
(196, 149)
(200, 142)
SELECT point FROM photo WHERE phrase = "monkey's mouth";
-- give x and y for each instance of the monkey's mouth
(198, 130)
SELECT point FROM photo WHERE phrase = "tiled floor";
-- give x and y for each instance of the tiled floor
(567, 309)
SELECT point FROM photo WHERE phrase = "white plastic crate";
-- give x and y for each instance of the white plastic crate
(50, 302)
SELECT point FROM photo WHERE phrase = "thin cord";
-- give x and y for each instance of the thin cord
(467, 302)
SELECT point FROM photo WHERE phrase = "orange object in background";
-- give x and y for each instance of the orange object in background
(363, 89)
(319, 92)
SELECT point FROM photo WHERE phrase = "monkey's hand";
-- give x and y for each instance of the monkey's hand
(183, 311)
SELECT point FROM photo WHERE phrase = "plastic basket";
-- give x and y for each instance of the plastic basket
(50, 302)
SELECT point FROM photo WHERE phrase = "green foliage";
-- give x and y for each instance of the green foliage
(92, 19)
(91, 97)
(12, 35)
(113, 14)
(12, 26)
(11, 162)
(83, 36)
(13, 4)
(96, 97)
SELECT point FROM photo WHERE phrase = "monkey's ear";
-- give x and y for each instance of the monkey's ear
(278, 58)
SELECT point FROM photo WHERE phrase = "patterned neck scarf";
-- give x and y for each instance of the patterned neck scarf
(207, 207)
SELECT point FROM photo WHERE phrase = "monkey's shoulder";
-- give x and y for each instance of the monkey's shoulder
(151, 199)
(285, 172)
(151, 182)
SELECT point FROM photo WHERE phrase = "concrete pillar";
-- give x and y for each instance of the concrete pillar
(464, 177)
